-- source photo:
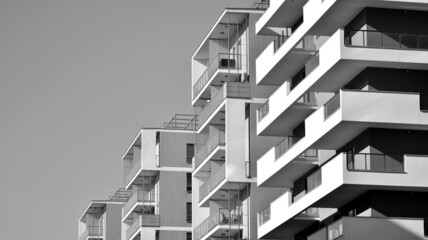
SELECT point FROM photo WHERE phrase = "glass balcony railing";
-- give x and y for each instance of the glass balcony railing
(221, 217)
(229, 90)
(264, 215)
(149, 198)
(311, 64)
(221, 61)
(202, 153)
(332, 106)
(334, 231)
(285, 145)
(142, 221)
(92, 231)
(311, 212)
(372, 162)
(133, 170)
(308, 98)
(263, 111)
(212, 182)
(312, 182)
(388, 40)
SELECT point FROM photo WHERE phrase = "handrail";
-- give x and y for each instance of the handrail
(217, 140)
(212, 182)
(182, 122)
(387, 40)
(228, 61)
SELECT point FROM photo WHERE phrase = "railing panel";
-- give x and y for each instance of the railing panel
(372, 162)
(134, 170)
(263, 111)
(217, 140)
(221, 216)
(92, 231)
(140, 196)
(264, 215)
(332, 106)
(313, 181)
(221, 61)
(212, 182)
(285, 145)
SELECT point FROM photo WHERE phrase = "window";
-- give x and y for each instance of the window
(189, 182)
(188, 236)
(189, 212)
(190, 152)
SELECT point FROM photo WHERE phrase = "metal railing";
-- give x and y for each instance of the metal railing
(212, 182)
(182, 122)
(217, 140)
(140, 196)
(221, 61)
(388, 40)
(220, 217)
(92, 231)
(283, 147)
(229, 90)
(121, 195)
(263, 4)
(142, 221)
(308, 98)
(263, 111)
(264, 215)
(373, 162)
(332, 106)
(133, 170)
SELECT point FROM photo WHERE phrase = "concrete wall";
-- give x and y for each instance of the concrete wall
(113, 221)
(173, 198)
(173, 149)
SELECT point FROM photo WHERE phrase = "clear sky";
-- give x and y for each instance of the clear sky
(78, 79)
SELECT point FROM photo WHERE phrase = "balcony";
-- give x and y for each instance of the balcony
(339, 182)
(224, 63)
(215, 141)
(280, 13)
(182, 122)
(143, 198)
(218, 224)
(142, 221)
(135, 168)
(229, 90)
(355, 228)
(92, 232)
(337, 122)
(214, 181)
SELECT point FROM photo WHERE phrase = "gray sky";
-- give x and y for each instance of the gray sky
(78, 79)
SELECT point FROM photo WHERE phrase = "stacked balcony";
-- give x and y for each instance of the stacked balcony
(213, 182)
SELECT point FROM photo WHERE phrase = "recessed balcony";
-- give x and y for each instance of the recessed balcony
(219, 225)
(92, 232)
(140, 200)
(342, 179)
(142, 221)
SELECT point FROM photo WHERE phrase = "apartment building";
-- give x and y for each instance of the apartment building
(102, 219)
(157, 170)
(350, 103)
(225, 98)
